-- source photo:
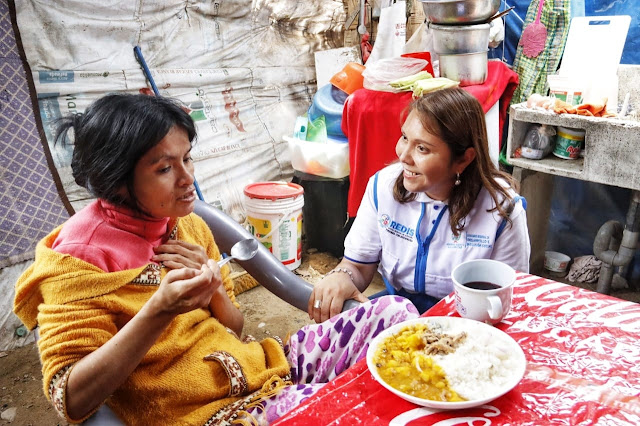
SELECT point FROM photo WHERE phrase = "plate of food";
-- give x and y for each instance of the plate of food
(446, 362)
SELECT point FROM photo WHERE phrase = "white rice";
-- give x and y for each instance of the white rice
(481, 366)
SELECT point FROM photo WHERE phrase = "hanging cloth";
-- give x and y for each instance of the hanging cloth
(533, 71)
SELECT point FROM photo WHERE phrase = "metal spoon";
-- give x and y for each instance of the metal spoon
(242, 250)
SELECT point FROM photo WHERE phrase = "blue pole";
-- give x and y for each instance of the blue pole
(147, 73)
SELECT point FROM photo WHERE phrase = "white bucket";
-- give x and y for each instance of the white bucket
(274, 216)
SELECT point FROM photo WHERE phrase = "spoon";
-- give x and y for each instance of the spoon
(499, 15)
(242, 250)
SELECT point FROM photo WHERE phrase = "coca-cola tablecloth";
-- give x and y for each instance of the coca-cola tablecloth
(583, 368)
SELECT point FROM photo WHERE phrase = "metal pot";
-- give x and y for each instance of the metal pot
(467, 68)
(460, 38)
(459, 12)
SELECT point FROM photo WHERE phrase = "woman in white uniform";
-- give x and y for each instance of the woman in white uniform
(444, 202)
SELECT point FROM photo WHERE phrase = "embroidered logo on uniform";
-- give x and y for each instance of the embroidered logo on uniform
(396, 228)
(464, 240)
(457, 242)
(384, 220)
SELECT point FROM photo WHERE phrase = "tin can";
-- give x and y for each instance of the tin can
(568, 143)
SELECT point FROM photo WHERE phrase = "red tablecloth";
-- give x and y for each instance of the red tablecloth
(583, 367)
(371, 120)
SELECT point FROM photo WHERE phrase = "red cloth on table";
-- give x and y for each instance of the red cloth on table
(371, 121)
(582, 367)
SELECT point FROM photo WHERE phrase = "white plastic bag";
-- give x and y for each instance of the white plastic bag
(420, 41)
(392, 33)
(328, 159)
(378, 75)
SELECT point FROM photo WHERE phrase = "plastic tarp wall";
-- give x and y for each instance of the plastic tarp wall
(631, 53)
(30, 205)
(245, 70)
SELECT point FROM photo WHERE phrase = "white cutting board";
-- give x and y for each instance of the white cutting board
(592, 55)
(594, 45)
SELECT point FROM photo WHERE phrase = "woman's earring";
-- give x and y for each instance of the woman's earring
(458, 181)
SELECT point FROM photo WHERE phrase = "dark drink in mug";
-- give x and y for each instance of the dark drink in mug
(481, 285)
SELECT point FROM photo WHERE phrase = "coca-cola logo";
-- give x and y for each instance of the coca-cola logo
(478, 416)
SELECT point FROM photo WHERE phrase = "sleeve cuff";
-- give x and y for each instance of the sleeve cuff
(58, 395)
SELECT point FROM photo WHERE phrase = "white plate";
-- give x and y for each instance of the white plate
(446, 322)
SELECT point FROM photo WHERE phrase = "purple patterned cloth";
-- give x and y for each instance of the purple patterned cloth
(30, 206)
(318, 353)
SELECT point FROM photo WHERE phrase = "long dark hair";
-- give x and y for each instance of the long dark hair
(457, 118)
(112, 135)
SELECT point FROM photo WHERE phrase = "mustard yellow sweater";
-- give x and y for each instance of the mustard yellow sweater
(196, 367)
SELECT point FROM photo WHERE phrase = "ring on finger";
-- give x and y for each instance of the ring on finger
(316, 304)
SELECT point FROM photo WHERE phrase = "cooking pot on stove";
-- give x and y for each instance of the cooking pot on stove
(459, 12)
(467, 68)
(460, 38)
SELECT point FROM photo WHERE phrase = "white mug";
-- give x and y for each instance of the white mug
(478, 302)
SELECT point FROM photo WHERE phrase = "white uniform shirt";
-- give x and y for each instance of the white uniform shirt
(388, 232)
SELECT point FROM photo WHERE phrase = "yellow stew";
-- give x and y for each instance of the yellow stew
(403, 364)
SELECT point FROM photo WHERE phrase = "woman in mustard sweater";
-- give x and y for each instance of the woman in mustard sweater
(132, 308)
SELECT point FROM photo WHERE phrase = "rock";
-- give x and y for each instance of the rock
(619, 282)
(9, 414)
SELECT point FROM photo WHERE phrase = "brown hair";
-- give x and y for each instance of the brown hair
(457, 118)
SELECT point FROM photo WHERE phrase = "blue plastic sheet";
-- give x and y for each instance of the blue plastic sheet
(631, 52)
(514, 25)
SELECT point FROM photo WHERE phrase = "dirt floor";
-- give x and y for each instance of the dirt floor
(21, 395)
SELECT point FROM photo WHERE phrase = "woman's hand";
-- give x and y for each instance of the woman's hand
(328, 295)
(185, 289)
(175, 254)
